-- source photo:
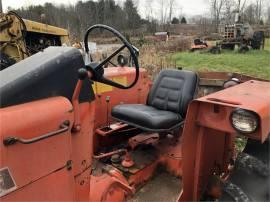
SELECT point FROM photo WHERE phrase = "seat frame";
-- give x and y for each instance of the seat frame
(149, 129)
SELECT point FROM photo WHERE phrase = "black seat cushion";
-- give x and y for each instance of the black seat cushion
(173, 90)
(167, 102)
(146, 117)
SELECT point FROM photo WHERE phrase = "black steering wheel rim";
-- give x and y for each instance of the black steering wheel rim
(126, 44)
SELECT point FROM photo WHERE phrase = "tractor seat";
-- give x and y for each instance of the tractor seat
(166, 105)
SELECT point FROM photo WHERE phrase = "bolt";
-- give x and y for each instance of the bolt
(83, 162)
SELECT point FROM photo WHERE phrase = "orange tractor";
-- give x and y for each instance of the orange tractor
(76, 132)
(198, 44)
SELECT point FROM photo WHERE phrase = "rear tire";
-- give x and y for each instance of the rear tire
(215, 50)
(228, 46)
(250, 180)
(234, 193)
(243, 49)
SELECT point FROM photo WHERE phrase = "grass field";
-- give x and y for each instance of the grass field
(253, 63)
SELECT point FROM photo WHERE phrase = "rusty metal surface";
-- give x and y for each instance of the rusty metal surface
(227, 75)
(211, 82)
(206, 150)
(36, 166)
(143, 138)
(208, 136)
(251, 95)
(204, 146)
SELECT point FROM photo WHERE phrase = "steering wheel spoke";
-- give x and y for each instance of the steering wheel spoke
(105, 61)
(112, 64)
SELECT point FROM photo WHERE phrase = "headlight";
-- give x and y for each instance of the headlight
(244, 121)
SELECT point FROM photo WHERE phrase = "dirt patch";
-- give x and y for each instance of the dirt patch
(162, 187)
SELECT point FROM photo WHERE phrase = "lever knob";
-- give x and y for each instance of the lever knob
(82, 73)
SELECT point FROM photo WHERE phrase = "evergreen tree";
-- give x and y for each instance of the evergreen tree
(175, 20)
(132, 17)
(183, 20)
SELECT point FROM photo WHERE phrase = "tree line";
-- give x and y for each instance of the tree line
(77, 18)
(158, 14)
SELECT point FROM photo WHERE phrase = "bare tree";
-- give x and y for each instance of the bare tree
(258, 10)
(171, 6)
(1, 8)
(180, 13)
(204, 22)
(228, 11)
(241, 5)
(268, 15)
(216, 8)
(149, 9)
(231, 8)
(162, 11)
(166, 11)
(249, 14)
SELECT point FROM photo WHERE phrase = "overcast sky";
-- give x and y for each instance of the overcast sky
(187, 7)
(182, 7)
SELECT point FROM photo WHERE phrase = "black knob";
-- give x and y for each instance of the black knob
(82, 73)
(9, 141)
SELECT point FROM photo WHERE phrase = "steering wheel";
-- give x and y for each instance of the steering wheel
(97, 68)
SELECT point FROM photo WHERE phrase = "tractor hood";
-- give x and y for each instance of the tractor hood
(50, 73)
(251, 95)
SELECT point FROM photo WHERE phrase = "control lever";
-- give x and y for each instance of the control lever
(82, 74)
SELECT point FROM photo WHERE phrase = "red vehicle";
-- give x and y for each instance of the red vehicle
(76, 132)
(198, 44)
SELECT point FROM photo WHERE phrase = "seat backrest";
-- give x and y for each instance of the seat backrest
(173, 90)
